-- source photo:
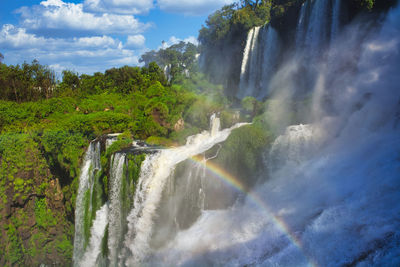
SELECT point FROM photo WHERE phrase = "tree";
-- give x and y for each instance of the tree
(177, 60)
(1, 58)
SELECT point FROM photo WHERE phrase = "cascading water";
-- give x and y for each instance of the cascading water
(116, 218)
(127, 237)
(316, 34)
(319, 23)
(152, 182)
(332, 195)
(259, 61)
(90, 167)
(331, 199)
(331, 187)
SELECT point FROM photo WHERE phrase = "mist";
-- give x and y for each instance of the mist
(333, 179)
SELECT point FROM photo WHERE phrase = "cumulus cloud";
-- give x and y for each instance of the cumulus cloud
(85, 54)
(174, 40)
(56, 15)
(135, 41)
(192, 7)
(118, 6)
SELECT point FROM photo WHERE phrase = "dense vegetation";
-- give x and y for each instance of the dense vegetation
(179, 60)
(46, 126)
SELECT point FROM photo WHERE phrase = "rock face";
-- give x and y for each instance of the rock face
(34, 224)
(179, 125)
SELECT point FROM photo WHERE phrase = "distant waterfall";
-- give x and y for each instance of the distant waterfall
(318, 24)
(258, 63)
(335, 25)
(316, 34)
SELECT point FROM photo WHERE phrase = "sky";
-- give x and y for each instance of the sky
(87, 36)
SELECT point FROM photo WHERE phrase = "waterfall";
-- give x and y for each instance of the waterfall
(316, 33)
(123, 225)
(152, 182)
(249, 62)
(259, 61)
(335, 25)
(318, 23)
(91, 165)
(269, 63)
(330, 191)
(93, 252)
(116, 219)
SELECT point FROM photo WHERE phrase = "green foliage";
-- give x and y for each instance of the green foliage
(44, 215)
(16, 249)
(123, 141)
(64, 246)
(26, 82)
(43, 138)
(230, 18)
(251, 106)
(177, 59)
(241, 152)
(129, 181)
(64, 149)
(180, 137)
(159, 141)
(199, 113)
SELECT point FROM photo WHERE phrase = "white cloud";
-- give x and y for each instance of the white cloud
(135, 41)
(174, 40)
(11, 36)
(85, 54)
(56, 15)
(118, 6)
(192, 7)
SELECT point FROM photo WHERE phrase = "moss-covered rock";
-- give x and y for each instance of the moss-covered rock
(35, 226)
(241, 153)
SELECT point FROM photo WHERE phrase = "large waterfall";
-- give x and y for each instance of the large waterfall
(125, 223)
(329, 193)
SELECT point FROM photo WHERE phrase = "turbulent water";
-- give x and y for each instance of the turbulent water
(130, 227)
(331, 187)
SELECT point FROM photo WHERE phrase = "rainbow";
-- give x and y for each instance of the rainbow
(229, 179)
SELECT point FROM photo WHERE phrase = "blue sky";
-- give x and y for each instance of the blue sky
(93, 35)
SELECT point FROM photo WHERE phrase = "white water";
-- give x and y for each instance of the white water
(152, 181)
(259, 61)
(334, 181)
(246, 52)
(253, 64)
(92, 254)
(90, 166)
(115, 209)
